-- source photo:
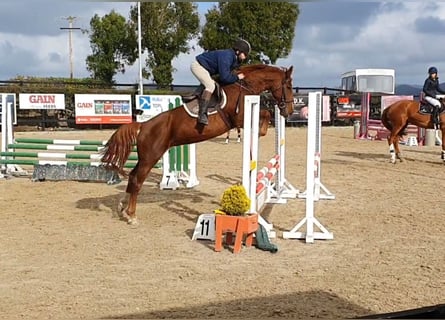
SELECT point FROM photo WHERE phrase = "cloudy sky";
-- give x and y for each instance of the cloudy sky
(331, 37)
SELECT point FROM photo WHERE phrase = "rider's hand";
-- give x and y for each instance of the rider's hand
(240, 76)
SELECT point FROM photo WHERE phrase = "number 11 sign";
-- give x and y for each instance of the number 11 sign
(205, 227)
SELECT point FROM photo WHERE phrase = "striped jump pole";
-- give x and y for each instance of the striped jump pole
(62, 141)
(42, 155)
(57, 164)
(58, 147)
(265, 181)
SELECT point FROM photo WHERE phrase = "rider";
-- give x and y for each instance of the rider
(431, 88)
(221, 63)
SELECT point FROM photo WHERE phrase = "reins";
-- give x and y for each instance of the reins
(229, 119)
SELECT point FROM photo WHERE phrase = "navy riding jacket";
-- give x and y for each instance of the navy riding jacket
(221, 63)
(431, 87)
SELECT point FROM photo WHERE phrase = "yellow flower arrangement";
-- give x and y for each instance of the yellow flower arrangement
(234, 201)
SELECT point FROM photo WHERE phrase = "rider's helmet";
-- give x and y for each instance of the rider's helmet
(242, 46)
(432, 70)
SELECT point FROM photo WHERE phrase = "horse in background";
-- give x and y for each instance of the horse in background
(177, 127)
(399, 115)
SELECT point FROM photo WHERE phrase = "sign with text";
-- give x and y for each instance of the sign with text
(152, 105)
(102, 108)
(42, 101)
(300, 113)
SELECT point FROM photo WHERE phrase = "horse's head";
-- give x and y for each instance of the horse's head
(283, 92)
(278, 81)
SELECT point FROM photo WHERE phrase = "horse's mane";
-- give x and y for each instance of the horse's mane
(248, 69)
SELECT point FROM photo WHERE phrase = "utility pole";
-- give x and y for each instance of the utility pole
(70, 29)
(141, 85)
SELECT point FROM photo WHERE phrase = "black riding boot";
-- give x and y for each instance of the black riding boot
(436, 118)
(203, 106)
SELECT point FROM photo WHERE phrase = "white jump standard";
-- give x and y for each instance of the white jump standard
(269, 184)
(312, 168)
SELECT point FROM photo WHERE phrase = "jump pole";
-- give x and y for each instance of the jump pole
(312, 168)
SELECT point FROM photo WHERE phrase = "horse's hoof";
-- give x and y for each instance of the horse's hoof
(132, 221)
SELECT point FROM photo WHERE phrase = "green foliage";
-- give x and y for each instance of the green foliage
(268, 26)
(235, 201)
(113, 42)
(25, 84)
(166, 28)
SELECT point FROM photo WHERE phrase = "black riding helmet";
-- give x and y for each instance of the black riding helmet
(432, 70)
(242, 46)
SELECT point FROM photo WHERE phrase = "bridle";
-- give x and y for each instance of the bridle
(282, 103)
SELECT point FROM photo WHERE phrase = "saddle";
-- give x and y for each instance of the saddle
(191, 102)
(426, 108)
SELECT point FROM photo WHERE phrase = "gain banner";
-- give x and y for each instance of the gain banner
(103, 108)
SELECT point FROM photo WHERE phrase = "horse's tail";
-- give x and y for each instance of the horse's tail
(119, 146)
(385, 121)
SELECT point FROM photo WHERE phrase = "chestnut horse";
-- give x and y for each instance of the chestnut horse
(176, 127)
(396, 118)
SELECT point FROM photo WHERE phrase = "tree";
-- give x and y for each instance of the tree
(113, 42)
(268, 26)
(166, 29)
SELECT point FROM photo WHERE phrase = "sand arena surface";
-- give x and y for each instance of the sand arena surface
(65, 255)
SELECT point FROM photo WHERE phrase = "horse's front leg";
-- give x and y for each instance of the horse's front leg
(397, 149)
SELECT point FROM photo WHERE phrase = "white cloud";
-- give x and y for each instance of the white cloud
(330, 39)
(387, 39)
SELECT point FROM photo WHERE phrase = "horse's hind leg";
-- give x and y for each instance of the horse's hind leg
(393, 142)
(394, 151)
(135, 181)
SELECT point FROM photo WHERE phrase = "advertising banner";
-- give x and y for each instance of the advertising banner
(300, 113)
(42, 101)
(152, 105)
(102, 108)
